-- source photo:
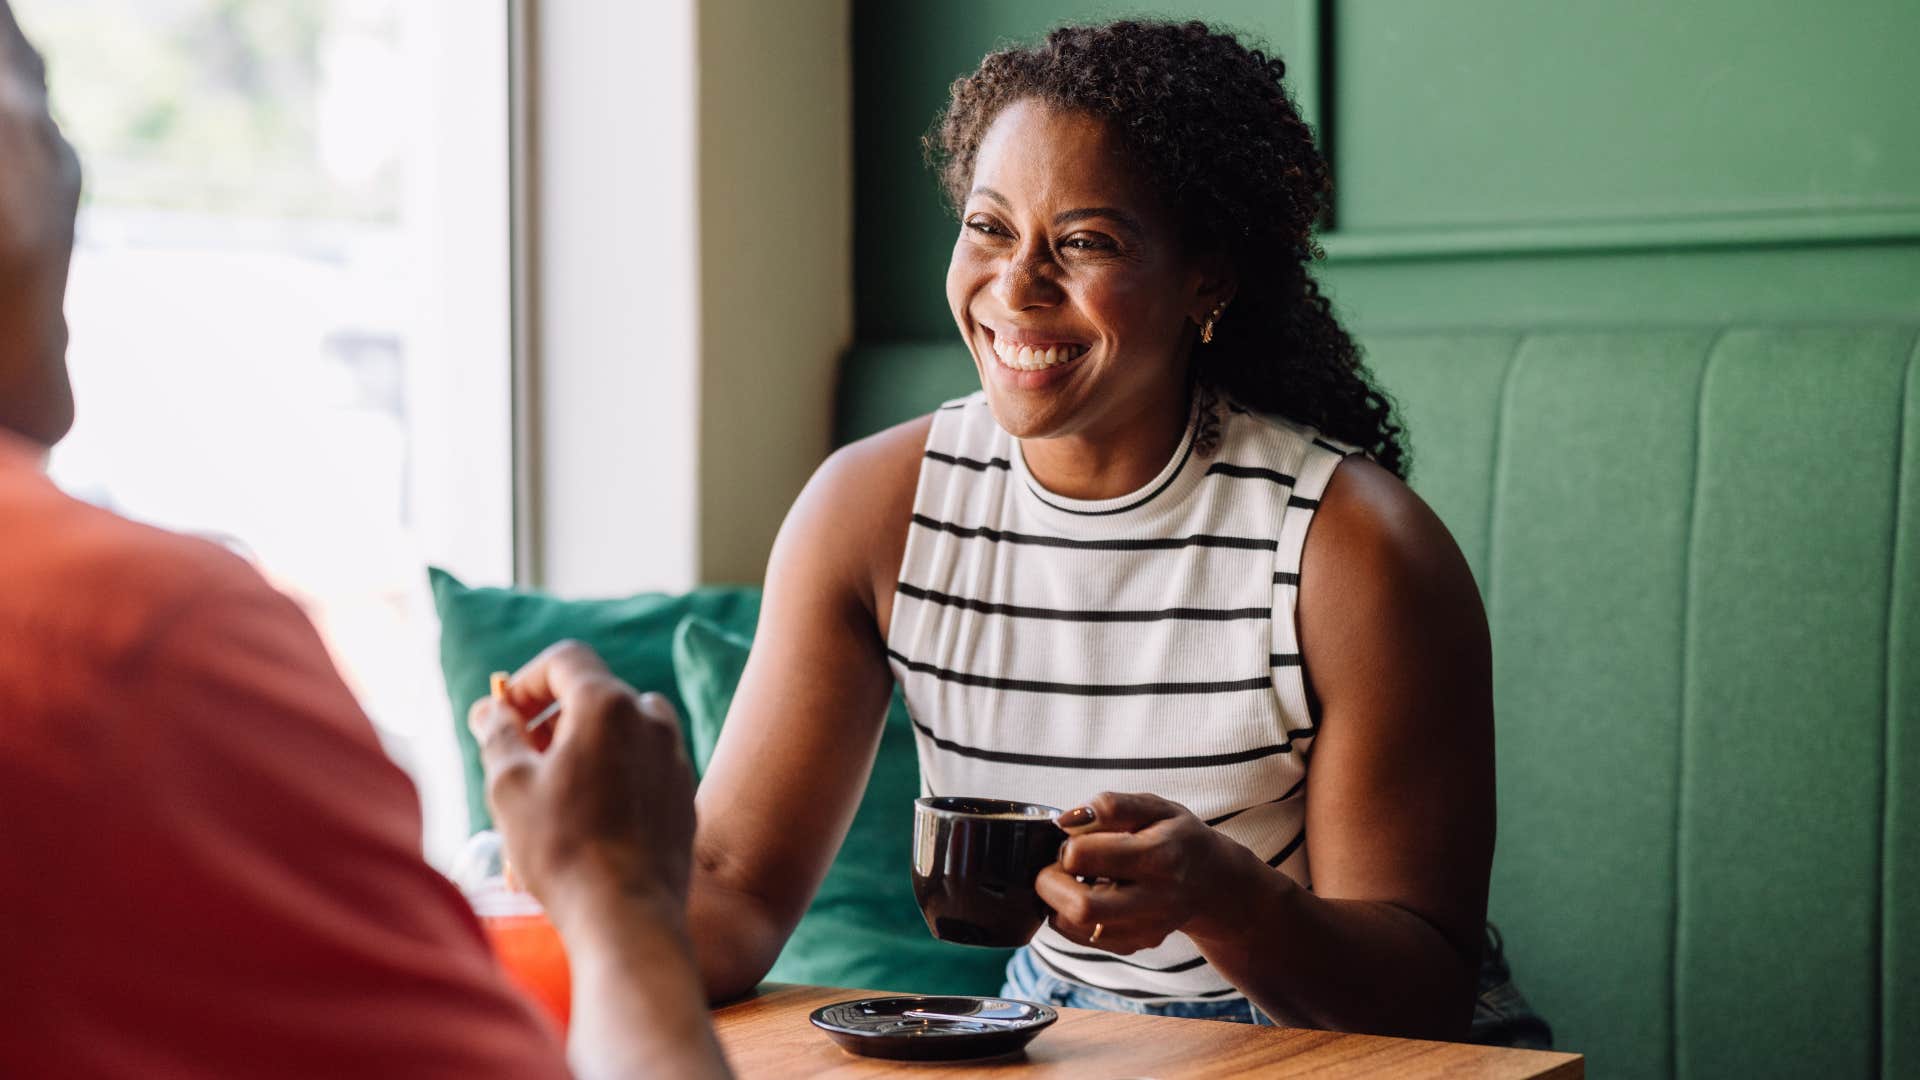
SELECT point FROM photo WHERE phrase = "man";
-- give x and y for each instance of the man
(207, 866)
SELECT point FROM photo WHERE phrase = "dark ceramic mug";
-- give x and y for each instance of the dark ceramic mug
(974, 864)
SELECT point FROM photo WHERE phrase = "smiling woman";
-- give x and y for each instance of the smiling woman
(1214, 143)
(1106, 296)
(1159, 564)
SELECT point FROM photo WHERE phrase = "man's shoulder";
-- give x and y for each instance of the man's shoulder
(79, 571)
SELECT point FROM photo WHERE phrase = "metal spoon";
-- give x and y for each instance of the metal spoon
(920, 1014)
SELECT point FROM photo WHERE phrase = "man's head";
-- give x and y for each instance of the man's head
(39, 196)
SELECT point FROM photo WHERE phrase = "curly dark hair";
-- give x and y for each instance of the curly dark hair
(1211, 124)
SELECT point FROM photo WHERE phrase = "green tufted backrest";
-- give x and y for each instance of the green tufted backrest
(1700, 551)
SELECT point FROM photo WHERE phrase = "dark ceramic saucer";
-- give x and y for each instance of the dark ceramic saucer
(933, 1028)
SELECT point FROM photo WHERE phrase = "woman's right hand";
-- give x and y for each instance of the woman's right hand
(605, 810)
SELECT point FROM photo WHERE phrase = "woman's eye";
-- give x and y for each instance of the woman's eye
(983, 226)
(1087, 243)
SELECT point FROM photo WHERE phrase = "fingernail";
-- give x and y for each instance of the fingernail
(1063, 851)
(1076, 817)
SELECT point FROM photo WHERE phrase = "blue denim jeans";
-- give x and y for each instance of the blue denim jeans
(1029, 980)
(1501, 1016)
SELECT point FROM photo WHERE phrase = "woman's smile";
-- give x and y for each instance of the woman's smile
(1027, 360)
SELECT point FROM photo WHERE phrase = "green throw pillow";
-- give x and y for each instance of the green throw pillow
(487, 630)
(863, 928)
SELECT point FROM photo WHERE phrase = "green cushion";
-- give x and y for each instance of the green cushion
(1784, 715)
(1690, 541)
(1566, 574)
(487, 630)
(863, 928)
(1901, 883)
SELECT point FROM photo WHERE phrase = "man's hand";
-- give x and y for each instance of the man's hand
(599, 824)
(606, 809)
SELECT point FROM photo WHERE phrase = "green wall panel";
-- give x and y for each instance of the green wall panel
(1870, 282)
(1783, 735)
(1521, 112)
(1590, 518)
(906, 54)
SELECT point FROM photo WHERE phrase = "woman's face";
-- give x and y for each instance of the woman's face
(1068, 281)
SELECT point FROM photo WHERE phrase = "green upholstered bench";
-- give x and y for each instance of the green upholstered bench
(1700, 553)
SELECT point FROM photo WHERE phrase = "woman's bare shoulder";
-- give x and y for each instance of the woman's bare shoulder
(886, 463)
(1371, 523)
(1384, 591)
(870, 482)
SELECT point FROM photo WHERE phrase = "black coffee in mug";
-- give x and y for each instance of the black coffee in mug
(974, 862)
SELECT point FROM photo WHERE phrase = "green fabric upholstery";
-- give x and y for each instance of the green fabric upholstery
(487, 630)
(1580, 553)
(1901, 976)
(1700, 550)
(708, 660)
(863, 927)
(1784, 715)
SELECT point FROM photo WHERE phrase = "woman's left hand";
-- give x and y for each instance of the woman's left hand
(1149, 867)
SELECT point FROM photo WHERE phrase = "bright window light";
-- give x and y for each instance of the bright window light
(289, 309)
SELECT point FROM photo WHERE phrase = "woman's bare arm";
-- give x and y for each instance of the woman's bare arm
(1400, 799)
(803, 729)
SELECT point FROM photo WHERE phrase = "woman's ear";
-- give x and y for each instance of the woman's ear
(1214, 290)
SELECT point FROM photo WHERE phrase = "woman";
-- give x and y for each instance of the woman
(1161, 562)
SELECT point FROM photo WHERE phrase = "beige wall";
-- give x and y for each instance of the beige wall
(686, 245)
(611, 319)
(775, 191)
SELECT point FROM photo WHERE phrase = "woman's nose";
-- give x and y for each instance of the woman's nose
(1026, 280)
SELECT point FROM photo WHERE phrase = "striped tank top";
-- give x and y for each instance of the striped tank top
(1052, 648)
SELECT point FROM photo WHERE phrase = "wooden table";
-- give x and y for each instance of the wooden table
(768, 1035)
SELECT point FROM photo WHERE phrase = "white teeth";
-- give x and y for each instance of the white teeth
(1026, 358)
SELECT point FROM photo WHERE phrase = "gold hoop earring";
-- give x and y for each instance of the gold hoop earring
(1206, 328)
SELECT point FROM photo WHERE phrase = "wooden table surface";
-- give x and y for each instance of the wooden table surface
(768, 1035)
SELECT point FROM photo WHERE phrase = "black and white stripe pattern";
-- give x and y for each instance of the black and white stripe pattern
(1052, 648)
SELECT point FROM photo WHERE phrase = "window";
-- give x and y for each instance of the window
(290, 309)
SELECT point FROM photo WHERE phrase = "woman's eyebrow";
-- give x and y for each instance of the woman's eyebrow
(989, 193)
(1068, 217)
(1114, 214)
